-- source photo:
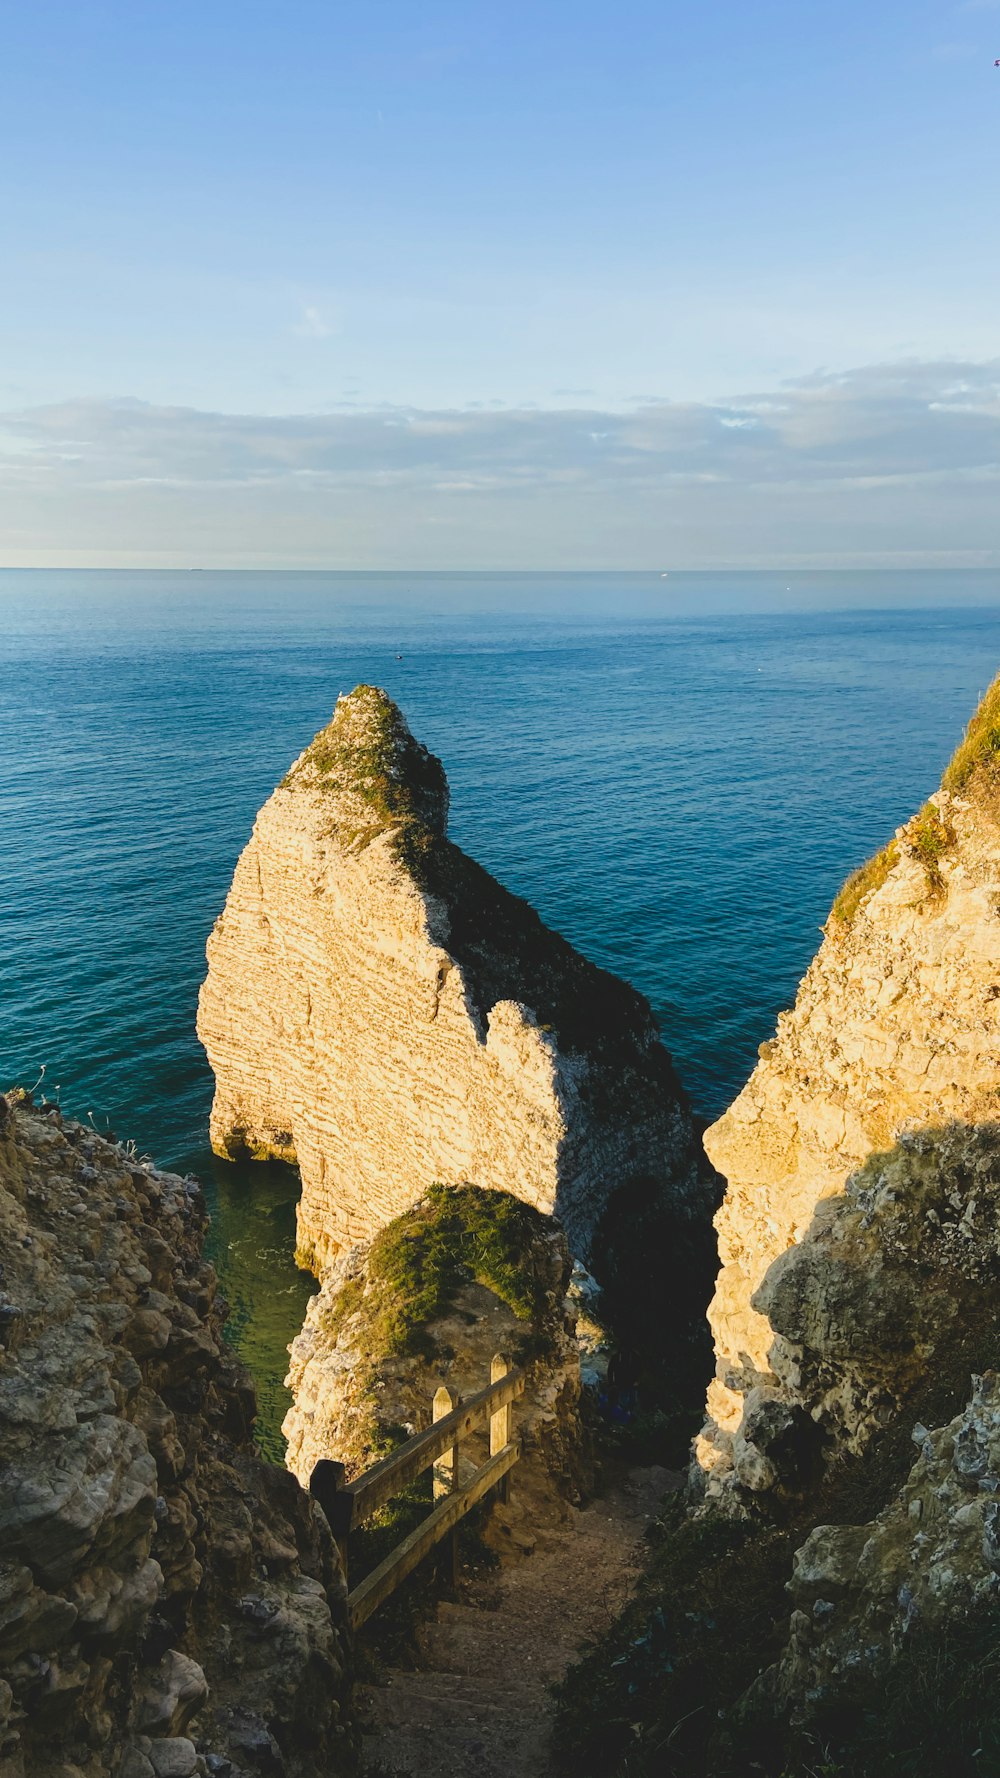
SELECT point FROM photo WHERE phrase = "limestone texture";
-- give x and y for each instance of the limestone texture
(380, 1010)
(930, 1559)
(169, 1603)
(895, 1029)
(366, 1365)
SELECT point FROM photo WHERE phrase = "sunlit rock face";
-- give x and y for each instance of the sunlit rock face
(168, 1601)
(895, 1028)
(379, 1009)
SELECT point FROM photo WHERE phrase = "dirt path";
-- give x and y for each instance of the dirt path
(479, 1704)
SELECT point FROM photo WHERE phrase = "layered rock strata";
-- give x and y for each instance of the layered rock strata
(895, 1027)
(430, 1301)
(379, 1009)
(169, 1603)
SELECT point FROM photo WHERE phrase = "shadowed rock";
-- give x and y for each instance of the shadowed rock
(161, 1587)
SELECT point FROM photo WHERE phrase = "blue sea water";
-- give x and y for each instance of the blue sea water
(677, 773)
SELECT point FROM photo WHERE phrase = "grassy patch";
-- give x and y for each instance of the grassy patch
(976, 763)
(937, 1709)
(863, 882)
(416, 1266)
(929, 835)
(974, 771)
(368, 757)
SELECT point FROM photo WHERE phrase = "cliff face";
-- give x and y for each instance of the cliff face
(895, 1027)
(463, 1275)
(169, 1603)
(380, 1010)
(866, 1596)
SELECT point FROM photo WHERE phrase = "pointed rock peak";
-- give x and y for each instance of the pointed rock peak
(367, 762)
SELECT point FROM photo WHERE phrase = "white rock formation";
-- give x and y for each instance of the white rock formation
(380, 1010)
(895, 1026)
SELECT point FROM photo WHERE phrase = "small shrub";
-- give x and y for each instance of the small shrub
(931, 836)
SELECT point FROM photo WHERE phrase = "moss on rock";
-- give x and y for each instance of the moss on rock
(368, 760)
(456, 1235)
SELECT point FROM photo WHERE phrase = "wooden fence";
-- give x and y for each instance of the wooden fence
(348, 1504)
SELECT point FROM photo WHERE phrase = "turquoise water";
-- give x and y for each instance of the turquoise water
(678, 775)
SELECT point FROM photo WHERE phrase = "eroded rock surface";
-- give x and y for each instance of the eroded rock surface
(895, 1026)
(169, 1603)
(932, 1557)
(378, 1008)
(383, 1334)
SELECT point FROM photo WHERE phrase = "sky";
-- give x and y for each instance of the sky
(481, 285)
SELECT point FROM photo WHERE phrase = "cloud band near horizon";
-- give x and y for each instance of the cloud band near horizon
(888, 465)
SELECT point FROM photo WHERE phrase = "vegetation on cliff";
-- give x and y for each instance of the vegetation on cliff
(973, 771)
(456, 1235)
(367, 757)
(364, 972)
(974, 768)
(368, 763)
(660, 1695)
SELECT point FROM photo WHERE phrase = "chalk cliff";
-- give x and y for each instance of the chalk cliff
(465, 1274)
(895, 1029)
(379, 1009)
(169, 1603)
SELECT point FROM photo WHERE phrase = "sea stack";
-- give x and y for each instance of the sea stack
(894, 1035)
(380, 1010)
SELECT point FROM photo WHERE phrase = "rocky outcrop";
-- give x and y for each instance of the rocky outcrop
(890, 1299)
(863, 1593)
(169, 1603)
(895, 1028)
(465, 1274)
(379, 1009)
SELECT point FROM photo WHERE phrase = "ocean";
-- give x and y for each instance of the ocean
(677, 772)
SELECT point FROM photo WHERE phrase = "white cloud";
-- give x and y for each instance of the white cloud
(888, 462)
(312, 324)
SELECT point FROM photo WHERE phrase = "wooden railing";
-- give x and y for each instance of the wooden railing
(348, 1504)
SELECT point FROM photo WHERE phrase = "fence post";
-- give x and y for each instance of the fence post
(500, 1423)
(446, 1474)
(325, 1484)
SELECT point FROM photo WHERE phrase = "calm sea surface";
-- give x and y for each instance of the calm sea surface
(677, 773)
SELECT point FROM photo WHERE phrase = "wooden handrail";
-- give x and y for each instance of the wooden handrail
(376, 1587)
(355, 1502)
(349, 1505)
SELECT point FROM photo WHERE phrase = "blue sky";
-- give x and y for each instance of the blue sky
(263, 212)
